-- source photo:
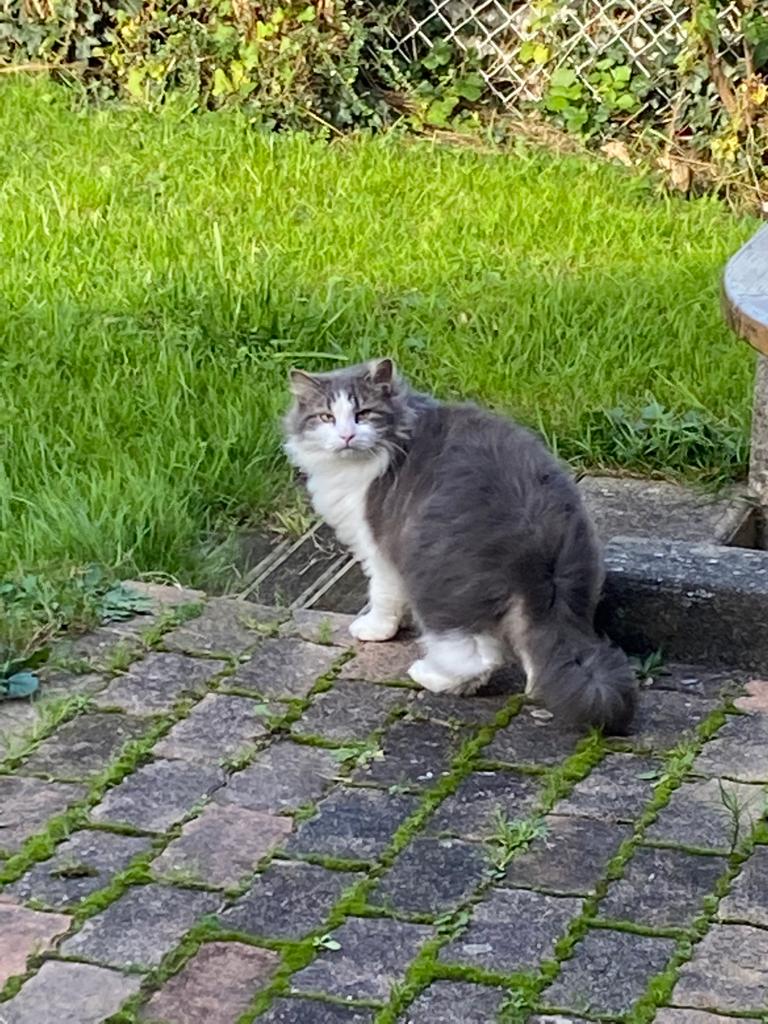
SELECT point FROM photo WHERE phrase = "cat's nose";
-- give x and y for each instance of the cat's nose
(346, 438)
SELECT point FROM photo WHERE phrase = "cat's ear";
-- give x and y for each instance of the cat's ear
(303, 385)
(382, 374)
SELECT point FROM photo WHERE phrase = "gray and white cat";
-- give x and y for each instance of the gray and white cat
(467, 520)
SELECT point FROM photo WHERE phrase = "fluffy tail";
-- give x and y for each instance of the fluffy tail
(574, 673)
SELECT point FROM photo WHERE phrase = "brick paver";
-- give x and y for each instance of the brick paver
(319, 853)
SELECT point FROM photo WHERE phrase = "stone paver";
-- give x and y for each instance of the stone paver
(728, 971)
(220, 726)
(144, 924)
(24, 932)
(223, 846)
(215, 987)
(374, 954)
(738, 751)
(156, 796)
(570, 857)
(351, 710)
(284, 668)
(512, 930)
(382, 663)
(616, 790)
(312, 1011)
(455, 1002)
(154, 684)
(431, 876)
(27, 804)
(473, 810)
(531, 741)
(667, 717)
(288, 900)
(84, 747)
(416, 754)
(711, 814)
(677, 1015)
(755, 697)
(748, 898)
(608, 972)
(320, 627)
(662, 888)
(69, 993)
(226, 626)
(479, 709)
(356, 824)
(283, 778)
(83, 864)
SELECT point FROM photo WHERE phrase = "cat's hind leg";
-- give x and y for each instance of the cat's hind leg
(453, 659)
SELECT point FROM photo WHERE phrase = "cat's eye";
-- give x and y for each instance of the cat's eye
(326, 417)
(363, 414)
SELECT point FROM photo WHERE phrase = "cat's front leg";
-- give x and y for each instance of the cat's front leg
(386, 597)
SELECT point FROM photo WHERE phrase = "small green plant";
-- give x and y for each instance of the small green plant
(647, 669)
(326, 942)
(510, 836)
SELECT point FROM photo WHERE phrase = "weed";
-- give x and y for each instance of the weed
(511, 836)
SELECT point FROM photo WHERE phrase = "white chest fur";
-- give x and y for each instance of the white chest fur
(338, 488)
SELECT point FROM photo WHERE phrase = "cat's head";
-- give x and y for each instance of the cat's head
(356, 412)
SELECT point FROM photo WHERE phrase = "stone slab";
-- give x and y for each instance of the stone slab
(665, 718)
(455, 1002)
(431, 876)
(697, 602)
(416, 754)
(226, 627)
(662, 888)
(165, 596)
(138, 929)
(570, 858)
(739, 750)
(677, 1015)
(157, 795)
(698, 815)
(26, 804)
(84, 747)
(313, 1011)
(480, 708)
(154, 684)
(608, 972)
(728, 971)
(697, 680)
(219, 727)
(284, 668)
(755, 697)
(351, 711)
(355, 824)
(616, 790)
(382, 663)
(748, 898)
(320, 627)
(82, 864)
(512, 930)
(24, 932)
(481, 797)
(223, 846)
(531, 741)
(623, 506)
(215, 987)
(283, 778)
(288, 900)
(69, 993)
(373, 955)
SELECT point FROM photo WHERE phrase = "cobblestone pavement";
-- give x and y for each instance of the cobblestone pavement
(223, 814)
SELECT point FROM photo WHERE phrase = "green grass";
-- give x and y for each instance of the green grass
(160, 275)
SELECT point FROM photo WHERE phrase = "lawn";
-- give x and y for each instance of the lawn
(160, 274)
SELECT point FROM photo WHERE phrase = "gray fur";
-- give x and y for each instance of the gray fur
(490, 535)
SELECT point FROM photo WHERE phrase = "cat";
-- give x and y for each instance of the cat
(464, 518)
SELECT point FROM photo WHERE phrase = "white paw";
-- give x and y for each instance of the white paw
(374, 627)
(423, 673)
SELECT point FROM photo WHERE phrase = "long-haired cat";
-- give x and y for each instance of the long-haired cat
(467, 520)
